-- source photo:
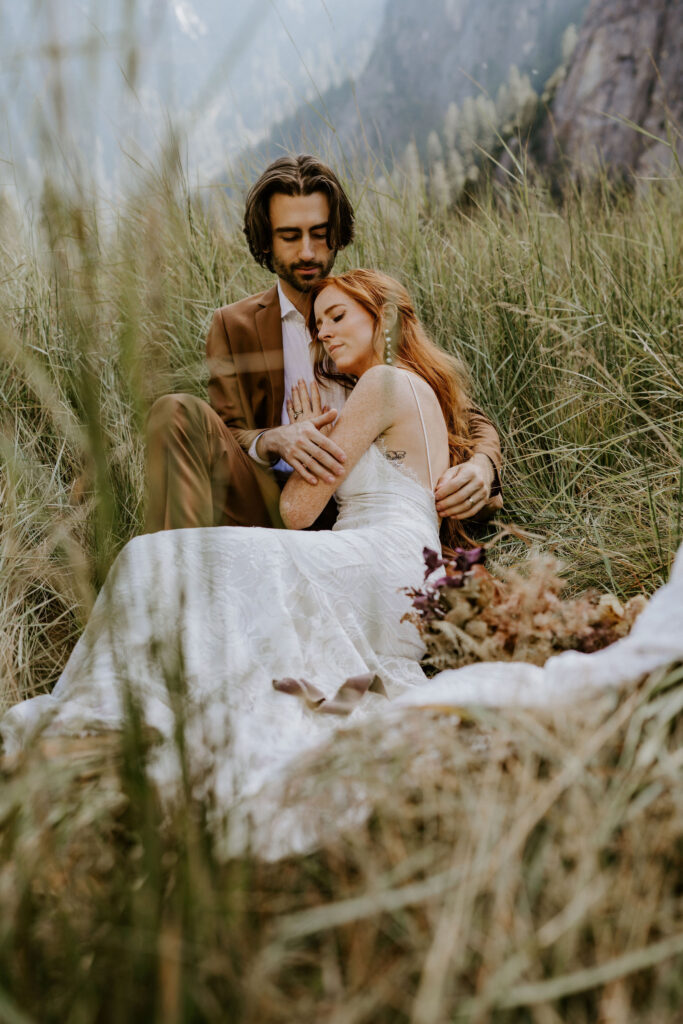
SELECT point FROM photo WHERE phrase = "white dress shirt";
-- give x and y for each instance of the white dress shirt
(298, 361)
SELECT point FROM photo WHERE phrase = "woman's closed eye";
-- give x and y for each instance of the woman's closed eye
(335, 320)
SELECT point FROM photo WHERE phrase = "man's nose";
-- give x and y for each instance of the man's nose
(306, 249)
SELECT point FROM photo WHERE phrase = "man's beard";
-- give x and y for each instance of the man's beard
(287, 271)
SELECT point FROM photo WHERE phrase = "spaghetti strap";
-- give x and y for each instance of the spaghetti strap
(424, 432)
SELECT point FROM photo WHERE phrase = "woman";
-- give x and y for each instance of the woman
(200, 623)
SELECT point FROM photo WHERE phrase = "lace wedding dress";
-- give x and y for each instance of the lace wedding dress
(200, 622)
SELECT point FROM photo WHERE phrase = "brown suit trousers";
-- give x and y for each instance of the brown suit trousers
(198, 469)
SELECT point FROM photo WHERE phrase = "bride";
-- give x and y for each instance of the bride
(208, 632)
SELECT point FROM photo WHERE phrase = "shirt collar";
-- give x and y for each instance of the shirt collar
(286, 306)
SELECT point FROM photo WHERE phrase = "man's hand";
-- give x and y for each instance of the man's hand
(463, 490)
(304, 443)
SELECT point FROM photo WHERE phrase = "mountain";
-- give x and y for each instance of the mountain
(427, 56)
(626, 67)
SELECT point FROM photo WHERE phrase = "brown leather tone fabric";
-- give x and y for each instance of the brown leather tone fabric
(246, 365)
(485, 440)
(347, 697)
(199, 475)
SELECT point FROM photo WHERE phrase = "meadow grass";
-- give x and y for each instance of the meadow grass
(568, 320)
(514, 867)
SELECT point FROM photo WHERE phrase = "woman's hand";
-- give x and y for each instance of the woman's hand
(303, 406)
(304, 442)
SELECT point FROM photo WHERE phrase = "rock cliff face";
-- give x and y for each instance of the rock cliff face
(627, 66)
(429, 54)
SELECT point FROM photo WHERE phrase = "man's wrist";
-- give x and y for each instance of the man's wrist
(487, 465)
(265, 447)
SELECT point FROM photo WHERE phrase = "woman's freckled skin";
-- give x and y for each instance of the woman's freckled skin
(346, 330)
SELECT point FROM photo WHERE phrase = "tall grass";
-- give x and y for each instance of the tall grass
(568, 320)
(507, 857)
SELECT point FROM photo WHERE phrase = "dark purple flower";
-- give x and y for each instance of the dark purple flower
(449, 581)
(432, 560)
(466, 559)
(428, 601)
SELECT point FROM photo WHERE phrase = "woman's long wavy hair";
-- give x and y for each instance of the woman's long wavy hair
(377, 293)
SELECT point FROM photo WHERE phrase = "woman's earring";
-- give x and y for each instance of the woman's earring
(388, 359)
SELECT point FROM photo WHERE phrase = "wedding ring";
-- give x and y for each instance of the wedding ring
(471, 502)
(297, 413)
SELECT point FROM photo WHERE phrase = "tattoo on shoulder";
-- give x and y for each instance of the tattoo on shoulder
(395, 455)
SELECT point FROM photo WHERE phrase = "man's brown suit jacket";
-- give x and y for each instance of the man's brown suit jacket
(247, 378)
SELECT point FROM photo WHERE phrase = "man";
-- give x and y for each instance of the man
(225, 463)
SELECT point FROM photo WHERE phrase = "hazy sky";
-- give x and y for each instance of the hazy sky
(88, 84)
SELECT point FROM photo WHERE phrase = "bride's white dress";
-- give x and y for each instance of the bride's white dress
(201, 621)
(196, 624)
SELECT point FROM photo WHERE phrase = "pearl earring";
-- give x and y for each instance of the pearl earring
(387, 348)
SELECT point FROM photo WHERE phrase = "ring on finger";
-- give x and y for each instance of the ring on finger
(297, 413)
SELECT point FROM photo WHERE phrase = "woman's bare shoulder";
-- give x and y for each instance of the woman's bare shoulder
(410, 385)
(380, 383)
(379, 375)
(384, 377)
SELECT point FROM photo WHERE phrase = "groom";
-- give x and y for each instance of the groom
(225, 463)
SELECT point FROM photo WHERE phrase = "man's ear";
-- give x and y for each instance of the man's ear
(389, 316)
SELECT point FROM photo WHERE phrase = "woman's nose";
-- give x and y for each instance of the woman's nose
(324, 331)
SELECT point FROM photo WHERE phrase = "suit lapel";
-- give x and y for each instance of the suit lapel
(269, 329)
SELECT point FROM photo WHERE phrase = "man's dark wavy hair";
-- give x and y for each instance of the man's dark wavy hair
(295, 176)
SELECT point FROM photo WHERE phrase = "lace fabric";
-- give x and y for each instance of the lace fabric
(206, 619)
(217, 614)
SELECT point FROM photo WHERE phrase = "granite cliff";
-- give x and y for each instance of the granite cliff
(444, 63)
(428, 56)
(627, 67)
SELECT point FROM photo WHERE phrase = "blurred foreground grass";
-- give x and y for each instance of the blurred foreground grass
(514, 867)
(500, 852)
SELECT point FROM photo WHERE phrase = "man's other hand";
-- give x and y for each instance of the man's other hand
(463, 491)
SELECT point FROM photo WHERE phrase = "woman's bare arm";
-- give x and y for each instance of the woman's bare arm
(371, 409)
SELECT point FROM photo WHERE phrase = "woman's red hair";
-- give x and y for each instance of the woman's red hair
(410, 345)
